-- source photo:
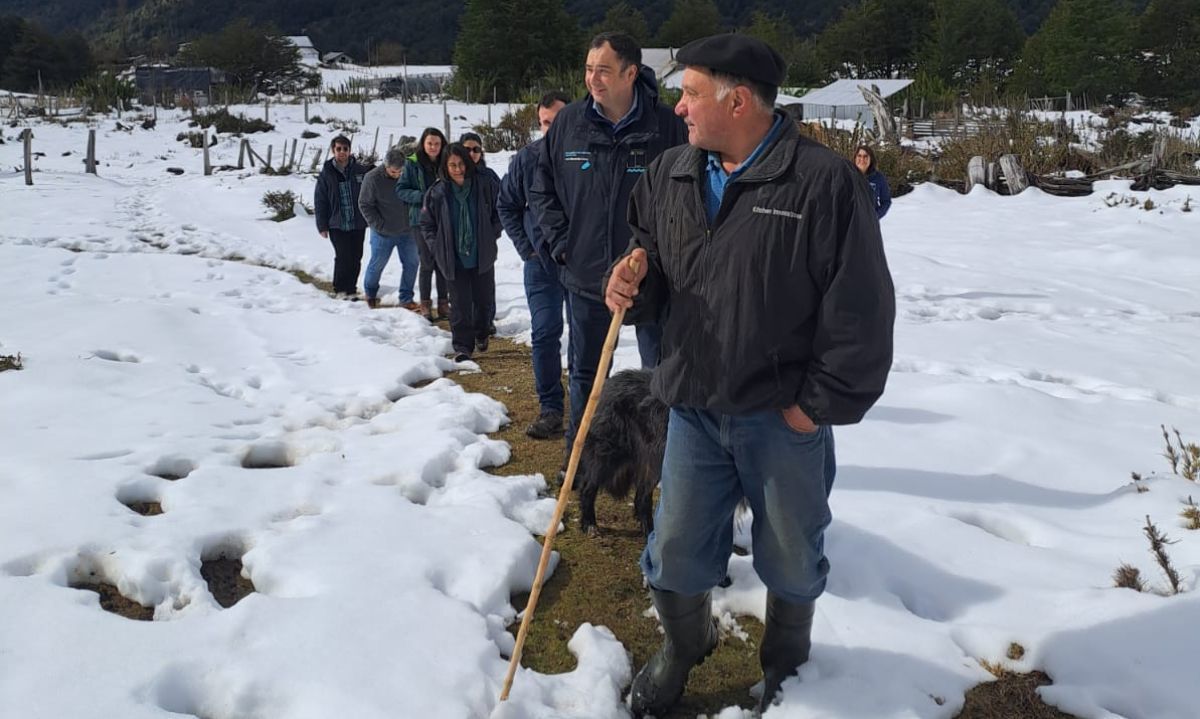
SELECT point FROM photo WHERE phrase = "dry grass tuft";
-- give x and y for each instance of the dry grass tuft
(1184, 459)
(12, 362)
(1158, 547)
(1128, 576)
(1190, 514)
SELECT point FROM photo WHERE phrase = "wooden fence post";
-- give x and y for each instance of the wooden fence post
(91, 152)
(306, 111)
(446, 118)
(266, 109)
(241, 154)
(27, 135)
(207, 164)
(362, 110)
(270, 149)
(375, 142)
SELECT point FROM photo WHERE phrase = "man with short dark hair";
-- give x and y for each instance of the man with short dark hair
(543, 290)
(594, 153)
(388, 218)
(762, 251)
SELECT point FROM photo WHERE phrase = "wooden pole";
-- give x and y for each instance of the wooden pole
(266, 109)
(91, 152)
(28, 137)
(207, 165)
(446, 119)
(292, 160)
(270, 149)
(375, 142)
(241, 154)
(362, 110)
(306, 111)
(404, 96)
(390, 145)
(564, 494)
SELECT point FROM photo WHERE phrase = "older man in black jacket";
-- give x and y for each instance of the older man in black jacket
(593, 154)
(762, 251)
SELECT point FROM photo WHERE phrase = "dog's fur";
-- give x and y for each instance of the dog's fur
(624, 448)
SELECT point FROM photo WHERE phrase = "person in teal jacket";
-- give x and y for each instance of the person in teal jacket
(420, 173)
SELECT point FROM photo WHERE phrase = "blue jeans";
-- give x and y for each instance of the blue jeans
(712, 461)
(546, 295)
(381, 252)
(589, 328)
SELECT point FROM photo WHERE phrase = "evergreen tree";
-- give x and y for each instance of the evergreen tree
(778, 33)
(623, 18)
(689, 20)
(1084, 47)
(36, 59)
(11, 29)
(511, 45)
(970, 41)
(250, 56)
(1169, 35)
(877, 38)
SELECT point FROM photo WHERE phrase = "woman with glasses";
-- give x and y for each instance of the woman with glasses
(338, 218)
(420, 173)
(864, 160)
(460, 225)
(474, 144)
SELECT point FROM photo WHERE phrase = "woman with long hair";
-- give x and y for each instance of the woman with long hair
(460, 225)
(864, 160)
(420, 174)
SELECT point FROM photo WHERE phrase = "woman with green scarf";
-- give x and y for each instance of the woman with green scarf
(460, 226)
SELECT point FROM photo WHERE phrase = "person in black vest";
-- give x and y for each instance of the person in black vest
(595, 151)
(460, 226)
(762, 251)
(338, 218)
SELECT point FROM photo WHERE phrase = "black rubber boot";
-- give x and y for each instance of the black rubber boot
(691, 635)
(787, 639)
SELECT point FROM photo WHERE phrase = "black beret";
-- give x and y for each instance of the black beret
(736, 54)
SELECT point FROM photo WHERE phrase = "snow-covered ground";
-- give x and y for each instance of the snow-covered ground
(985, 501)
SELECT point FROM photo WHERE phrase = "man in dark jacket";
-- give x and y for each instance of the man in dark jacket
(338, 217)
(762, 251)
(543, 290)
(594, 153)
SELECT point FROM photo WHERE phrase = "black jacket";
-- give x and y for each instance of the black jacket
(437, 229)
(327, 199)
(515, 213)
(785, 299)
(583, 179)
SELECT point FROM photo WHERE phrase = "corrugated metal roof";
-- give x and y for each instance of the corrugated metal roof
(659, 59)
(841, 93)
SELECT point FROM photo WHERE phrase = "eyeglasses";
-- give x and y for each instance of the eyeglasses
(475, 150)
(341, 148)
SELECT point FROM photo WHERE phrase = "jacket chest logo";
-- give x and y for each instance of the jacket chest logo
(776, 212)
(582, 157)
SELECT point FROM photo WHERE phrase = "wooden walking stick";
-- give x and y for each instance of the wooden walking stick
(564, 494)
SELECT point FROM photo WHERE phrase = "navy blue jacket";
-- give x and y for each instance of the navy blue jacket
(883, 193)
(327, 199)
(515, 213)
(437, 225)
(584, 175)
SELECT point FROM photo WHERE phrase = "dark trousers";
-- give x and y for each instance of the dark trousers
(589, 321)
(347, 258)
(427, 272)
(546, 296)
(472, 297)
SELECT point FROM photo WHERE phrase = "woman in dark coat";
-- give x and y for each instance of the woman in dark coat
(460, 225)
(420, 174)
(864, 160)
(338, 218)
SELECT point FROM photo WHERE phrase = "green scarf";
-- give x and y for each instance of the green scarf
(465, 237)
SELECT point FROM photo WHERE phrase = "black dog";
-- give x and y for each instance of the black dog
(624, 448)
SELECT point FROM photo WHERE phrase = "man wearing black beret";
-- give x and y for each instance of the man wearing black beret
(760, 252)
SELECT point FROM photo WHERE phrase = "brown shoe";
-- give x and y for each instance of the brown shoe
(412, 307)
(427, 310)
(443, 310)
(373, 302)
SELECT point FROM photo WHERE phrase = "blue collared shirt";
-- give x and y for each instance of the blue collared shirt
(718, 178)
(625, 121)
